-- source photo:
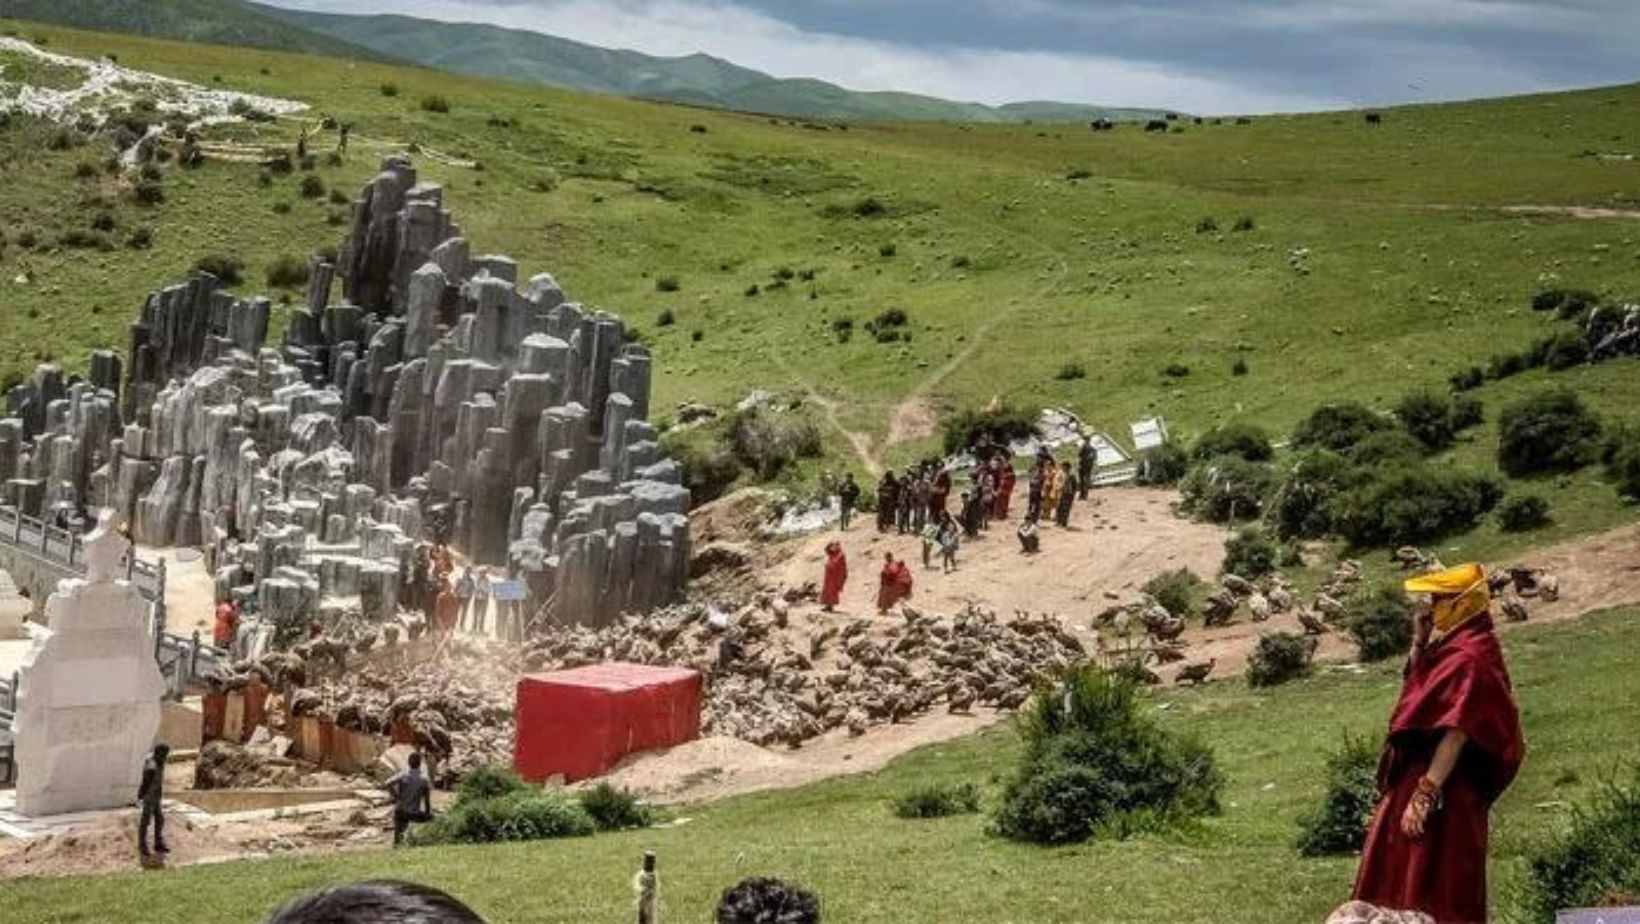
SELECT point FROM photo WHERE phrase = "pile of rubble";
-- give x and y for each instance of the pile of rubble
(771, 682)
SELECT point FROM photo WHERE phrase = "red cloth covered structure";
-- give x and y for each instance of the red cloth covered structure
(1460, 682)
(583, 721)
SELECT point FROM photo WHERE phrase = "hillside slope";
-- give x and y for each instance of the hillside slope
(219, 22)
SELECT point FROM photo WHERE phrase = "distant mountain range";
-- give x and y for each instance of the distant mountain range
(530, 57)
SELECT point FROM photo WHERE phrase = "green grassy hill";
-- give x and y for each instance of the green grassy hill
(1380, 258)
(1574, 682)
(220, 22)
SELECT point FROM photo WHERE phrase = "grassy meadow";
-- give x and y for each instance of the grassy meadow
(1574, 681)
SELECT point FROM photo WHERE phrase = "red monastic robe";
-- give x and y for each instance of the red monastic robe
(1459, 682)
(1005, 492)
(894, 586)
(831, 593)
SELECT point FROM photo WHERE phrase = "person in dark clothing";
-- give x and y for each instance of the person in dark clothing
(1067, 496)
(888, 502)
(1086, 458)
(848, 498)
(758, 900)
(375, 902)
(412, 798)
(150, 794)
(1039, 480)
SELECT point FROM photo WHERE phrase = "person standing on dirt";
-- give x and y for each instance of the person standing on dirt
(150, 793)
(848, 498)
(226, 627)
(466, 588)
(482, 591)
(1039, 482)
(831, 592)
(894, 584)
(343, 129)
(1086, 458)
(1068, 485)
(949, 536)
(888, 501)
(412, 797)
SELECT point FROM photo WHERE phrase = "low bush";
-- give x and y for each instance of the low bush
(1070, 372)
(1523, 512)
(487, 781)
(1239, 367)
(667, 284)
(1301, 507)
(1412, 503)
(1176, 370)
(613, 809)
(389, 89)
(888, 250)
(1175, 590)
(1279, 657)
(1250, 554)
(1244, 223)
(1227, 488)
(229, 269)
(1165, 465)
(1593, 862)
(435, 103)
(1565, 303)
(1207, 225)
(140, 238)
(1552, 431)
(1380, 621)
(1388, 448)
(1427, 418)
(1339, 824)
(148, 191)
(936, 800)
(842, 329)
(312, 187)
(1468, 379)
(1000, 422)
(1243, 440)
(767, 443)
(1467, 412)
(1096, 763)
(83, 239)
(666, 318)
(1623, 467)
(287, 272)
(1563, 350)
(526, 815)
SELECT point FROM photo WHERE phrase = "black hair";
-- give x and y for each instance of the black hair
(768, 901)
(380, 901)
(415, 759)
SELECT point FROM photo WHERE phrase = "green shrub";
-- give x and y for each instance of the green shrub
(1175, 591)
(888, 250)
(1380, 621)
(1563, 350)
(668, 284)
(935, 800)
(1427, 418)
(83, 239)
(1236, 439)
(842, 329)
(1176, 370)
(666, 318)
(1001, 422)
(140, 238)
(148, 191)
(435, 103)
(1207, 225)
(1523, 512)
(1163, 466)
(526, 815)
(390, 89)
(1227, 488)
(287, 272)
(488, 781)
(1244, 223)
(1623, 468)
(229, 269)
(1250, 554)
(1390, 447)
(614, 809)
(1096, 763)
(1070, 372)
(1505, 365)
(709, 466)
(1565, 303)
(1551, 431)
(1239, 367)
(1339, 824)
(1467, 412)
(1279, 657)
(768, 443)
(1301, 507)
(1414, 503)
(1594, 862)
(1468, 379)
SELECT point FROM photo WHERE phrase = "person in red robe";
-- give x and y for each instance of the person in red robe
(226, 626)
(1005, 486)
(894, 584)
(446, 610)
(831, 592)
(1454, 746)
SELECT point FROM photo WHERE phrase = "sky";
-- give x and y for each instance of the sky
(1201, 56)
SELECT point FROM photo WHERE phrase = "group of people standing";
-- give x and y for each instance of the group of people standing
(463, 602)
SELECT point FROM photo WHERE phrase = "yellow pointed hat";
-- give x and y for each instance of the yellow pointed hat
(1460, 594)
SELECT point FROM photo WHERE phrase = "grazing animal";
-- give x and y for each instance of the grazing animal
(1221, 605)
(1514, 610)
(1195, 673)
(1313, 624)
(1156, 125)
(1374, 118)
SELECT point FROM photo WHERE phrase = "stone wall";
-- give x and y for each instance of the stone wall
(439, 395)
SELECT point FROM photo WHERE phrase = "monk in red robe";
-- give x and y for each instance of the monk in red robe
(894, 584)
(1005, 486)
(831, 592)
(1454, 746)
(446, 610)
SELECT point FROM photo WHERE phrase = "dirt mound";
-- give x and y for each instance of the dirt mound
(108, 847)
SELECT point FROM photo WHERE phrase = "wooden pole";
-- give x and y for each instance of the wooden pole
(647, 885)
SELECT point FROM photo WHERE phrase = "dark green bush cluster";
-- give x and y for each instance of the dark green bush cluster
(1414, 503)
(1164, 465)
(668, 284)
(1380, 621)
(287, 272)
(435, 103)
(889, 326)
(709, 466)
(312, 187)
(1001, 422)
(1096, 763)
(1523, 512)
(1428, 418)
(493, 804)
(1595, 862)
(1250, 553)
(1552, 431)
(1339, 824)
(1236, 439)
(768, 443)
(842, 329)
(1622, 458)
(615, 809)
(1339, 427)
(1227, 488)
(1565, 303)
(1071, 371)
(937, 800)
(1176, 591)
(1279, 657)
(228, 268)
(390, 89)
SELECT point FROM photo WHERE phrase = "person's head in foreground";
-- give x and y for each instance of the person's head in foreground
(768, 901)
(381, 901)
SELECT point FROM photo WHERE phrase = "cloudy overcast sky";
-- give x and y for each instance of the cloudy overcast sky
(1194, 55)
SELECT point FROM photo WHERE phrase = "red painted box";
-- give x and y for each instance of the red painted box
(582, 722)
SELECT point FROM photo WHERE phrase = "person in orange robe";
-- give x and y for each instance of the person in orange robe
(1454, 746)
(894, 584)
(831, 592)
(446, 610)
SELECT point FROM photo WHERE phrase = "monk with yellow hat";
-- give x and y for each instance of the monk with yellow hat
(1454, 746)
